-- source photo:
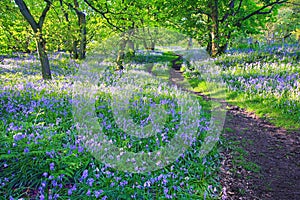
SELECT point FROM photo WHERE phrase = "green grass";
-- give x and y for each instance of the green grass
(161, 71)
(260, 106)
(148, 58)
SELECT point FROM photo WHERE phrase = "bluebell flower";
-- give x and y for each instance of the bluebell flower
(165, 181)
(112, 184)
(52, 166)
(98, 193)
(19, 136)
(166, 190)
(88, 193)
(80, 149)
(42, 197)
(54, 183)
(90, 181)
(85, 174)
(26, 150)
(123, 183)
(43, 184)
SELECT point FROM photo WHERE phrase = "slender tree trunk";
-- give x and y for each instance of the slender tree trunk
(214, 28)
(41, 48)
(82, 27)
(145, 44)
(82, 24)
(121, 53)
(190, 43)
(208, 47)
(153, 38)
(223, 47)
(74, 52)
(152, 45)
(131, 47)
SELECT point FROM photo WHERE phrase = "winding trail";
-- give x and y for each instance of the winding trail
(275, 150)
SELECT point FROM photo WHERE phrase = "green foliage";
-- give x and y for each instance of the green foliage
(15, 33)
(234, 18)
(62, 31)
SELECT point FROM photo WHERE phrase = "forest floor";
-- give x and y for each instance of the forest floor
(260, 161)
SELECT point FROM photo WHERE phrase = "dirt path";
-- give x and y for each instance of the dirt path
(275, 151)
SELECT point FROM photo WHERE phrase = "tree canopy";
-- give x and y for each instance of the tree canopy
(72, 25)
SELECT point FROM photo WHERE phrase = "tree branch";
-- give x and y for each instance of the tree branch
(64, 11)
(27, 15)
(103, 14)
(260, 11)
(240, 5)
(44, 13)
(231, 6)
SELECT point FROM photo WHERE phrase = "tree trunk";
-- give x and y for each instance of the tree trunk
(41, 44)
(223, 47)
(153, 38)
(121, 53)
(152, 45)
(190, 43)
(82, 24)
(145, 44)
(131, 47)
(37, 29)
(74, 52)
(82, 30)
(214, 28)
(208, 47)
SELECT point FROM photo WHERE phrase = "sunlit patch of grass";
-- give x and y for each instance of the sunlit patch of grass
(161, 71)
(149, 57)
